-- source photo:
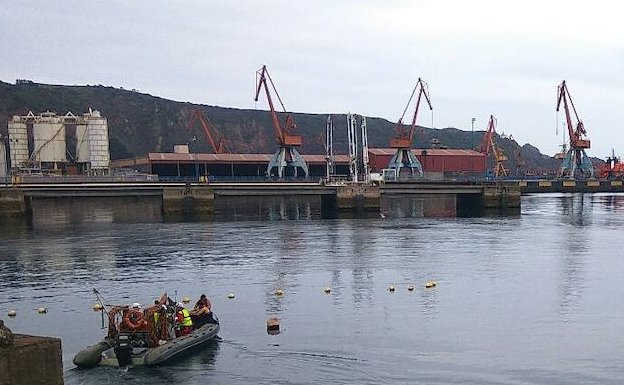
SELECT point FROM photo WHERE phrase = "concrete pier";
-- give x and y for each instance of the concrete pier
(358, 197)
(188, 199)
(12, 202)
(31, 361)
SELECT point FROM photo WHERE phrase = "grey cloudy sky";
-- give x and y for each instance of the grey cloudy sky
(479, 57)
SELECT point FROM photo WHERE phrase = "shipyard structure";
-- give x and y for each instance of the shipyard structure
(48, 143)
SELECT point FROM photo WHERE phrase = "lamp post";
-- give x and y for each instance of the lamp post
(472, 122)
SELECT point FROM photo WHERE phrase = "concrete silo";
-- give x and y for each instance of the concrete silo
(3, 161)
(92, 143)
(18, 143)
(49, 138)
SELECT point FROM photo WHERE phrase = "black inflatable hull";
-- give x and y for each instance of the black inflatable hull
(103, 354)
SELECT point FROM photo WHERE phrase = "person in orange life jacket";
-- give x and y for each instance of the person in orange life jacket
(183, 319)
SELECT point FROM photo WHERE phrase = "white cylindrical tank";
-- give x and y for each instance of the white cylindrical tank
(3, 162)
(18, 143)
(49, 135)
(181, 149)
(97, 133)
(83, 155)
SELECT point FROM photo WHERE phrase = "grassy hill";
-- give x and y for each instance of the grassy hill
(140, 123)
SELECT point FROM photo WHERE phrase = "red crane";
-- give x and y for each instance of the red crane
(219, 146)
(575, 160)
(287, 154)
(402, 141)
(488, 147)
(403, 138)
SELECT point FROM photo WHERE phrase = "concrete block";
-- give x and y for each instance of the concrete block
(32, 361)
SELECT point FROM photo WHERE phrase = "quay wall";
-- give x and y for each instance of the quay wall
(12, 202)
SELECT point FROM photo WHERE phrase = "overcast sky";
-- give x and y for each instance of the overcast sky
(479, 57)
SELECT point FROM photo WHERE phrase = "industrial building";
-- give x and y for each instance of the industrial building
(39, 143)
(182, 164)
(437, 164)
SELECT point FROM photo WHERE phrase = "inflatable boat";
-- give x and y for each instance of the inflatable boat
(145, 337)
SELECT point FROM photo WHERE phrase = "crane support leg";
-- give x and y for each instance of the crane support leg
(284, 158)
(404, 157)
(576, 163)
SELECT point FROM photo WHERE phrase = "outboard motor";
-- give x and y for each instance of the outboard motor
(123, 350)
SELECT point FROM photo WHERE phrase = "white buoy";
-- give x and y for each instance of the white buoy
(279, 292)
(42, 310)
(97, 307)
(12, 313)
(430, 284)
(410, 288)
(327, 289)
(231, 295)
(391, 289)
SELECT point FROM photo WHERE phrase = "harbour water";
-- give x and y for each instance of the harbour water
(535, 298)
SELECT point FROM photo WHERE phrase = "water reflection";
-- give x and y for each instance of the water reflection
(513, 292)
(577, 214)
(420, 206)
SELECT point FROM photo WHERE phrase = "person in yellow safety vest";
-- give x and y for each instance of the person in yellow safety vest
(183, 318)
(156, 314)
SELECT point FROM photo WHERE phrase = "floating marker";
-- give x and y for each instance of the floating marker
(327, 289)
(279, 292)
(12, 313)
(273, 325)
(186, 300)
(391, 288)
(97, 307)
(231, 295)
(429, 284)
(42, 310)
(410, 288)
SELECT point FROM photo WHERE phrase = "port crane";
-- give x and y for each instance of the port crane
(218, 146)
(286, 155)
(613, 168)
(488, 147)
(575, 161)
(402, 142)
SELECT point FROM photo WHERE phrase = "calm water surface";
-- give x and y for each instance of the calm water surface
(531, 299)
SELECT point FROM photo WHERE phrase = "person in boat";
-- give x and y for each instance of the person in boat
(202, 306)
(202, 312)
(183, 319)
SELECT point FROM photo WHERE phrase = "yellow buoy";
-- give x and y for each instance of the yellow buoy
(42, 310)
(231, 295)
(429, 284)
(410, 288)
(12, 313)
(327, 289)
(186, 300)
(279, 292)
(97, 307)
